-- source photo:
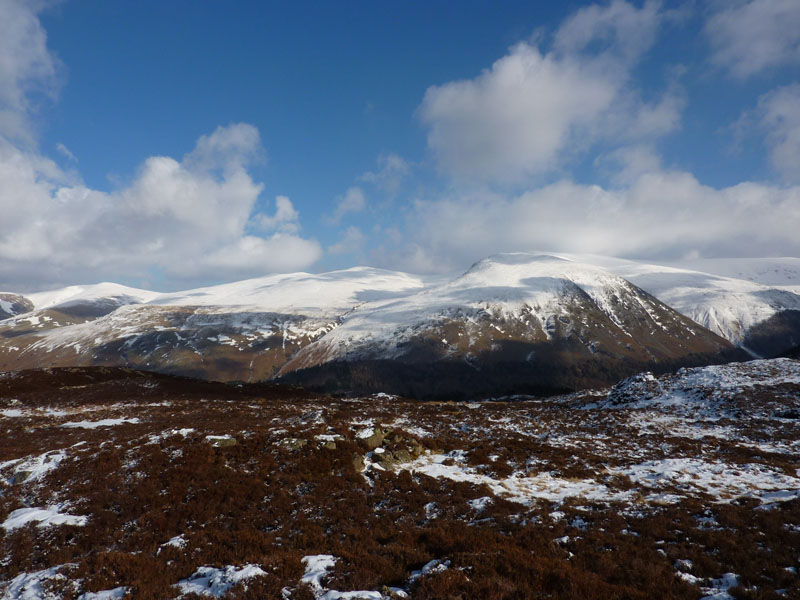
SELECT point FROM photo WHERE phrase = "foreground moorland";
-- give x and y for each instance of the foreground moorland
(117, 483)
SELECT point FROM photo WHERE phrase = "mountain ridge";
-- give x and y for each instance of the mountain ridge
(520, 322)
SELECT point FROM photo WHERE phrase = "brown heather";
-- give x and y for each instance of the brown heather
(269, 501)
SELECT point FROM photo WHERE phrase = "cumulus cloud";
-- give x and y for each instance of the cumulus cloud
(352, 201)
(532, 109)
(227, 148)
(778, 115)
(286, 219)
(748, 37)
(659, 215)
(186, 218)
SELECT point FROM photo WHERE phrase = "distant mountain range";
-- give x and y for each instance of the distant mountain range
(512, 323)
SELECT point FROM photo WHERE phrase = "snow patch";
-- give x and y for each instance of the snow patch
(29, 586)
(96, 424)
(45, 517)
(723, 481)
(210, 581)
(317, 567)
(34, 468)
(518, 487)
(116, 594)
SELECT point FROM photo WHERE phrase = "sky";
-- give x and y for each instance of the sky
(168, 145)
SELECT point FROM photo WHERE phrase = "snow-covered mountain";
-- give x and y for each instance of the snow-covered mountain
(244, 330)
(512, 322)
(760, 312)
(515, 322)
(13, 304)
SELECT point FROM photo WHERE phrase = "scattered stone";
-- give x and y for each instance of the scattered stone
(375, 440)
(358, 463)
(294, 443)
(21, 476)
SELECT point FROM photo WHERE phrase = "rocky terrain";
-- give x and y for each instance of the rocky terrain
(117, 483)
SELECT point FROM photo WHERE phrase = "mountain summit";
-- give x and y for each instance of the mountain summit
(512, 323)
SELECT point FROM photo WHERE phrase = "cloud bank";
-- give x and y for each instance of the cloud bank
(661, 215)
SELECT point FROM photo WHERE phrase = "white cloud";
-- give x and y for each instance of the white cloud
(624, 30)
(66, 152)
(351, 242)
(286, 219)
(282, 252)
(353, 201)
(778, 113)
(748, 37)
(514, 119)
(27, 69)
(659, 215)
(627, 164)
(187, 219)
(531, 110)
(227, 148)
(388, 178)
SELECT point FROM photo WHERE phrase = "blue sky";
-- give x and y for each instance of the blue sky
(168, 144)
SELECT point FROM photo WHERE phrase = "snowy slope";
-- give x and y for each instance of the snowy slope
(13, 304)
(90, 293)
(502, 284)
(244, 330)
(323, 295)
(513, 307)
(520, 298)
(727, 306)
(781, 272)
